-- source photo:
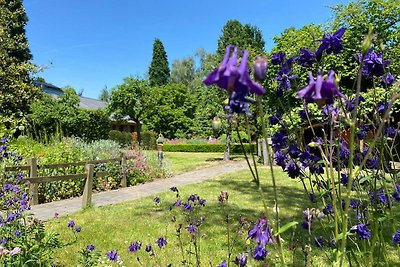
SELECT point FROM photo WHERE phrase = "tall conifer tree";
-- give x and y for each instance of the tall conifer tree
(159, 73)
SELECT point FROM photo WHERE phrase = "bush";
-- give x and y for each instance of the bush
(122, 138)
(235, 148)
(149, 140)
(235, 137)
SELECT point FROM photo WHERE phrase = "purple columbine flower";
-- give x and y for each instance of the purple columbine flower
(396, 237)
(387, 79)
(331, 43)
(112, 255)
(362, 231)
(303, 114)
(241, 260)
(90, 247)
(396, 194)
(390, 131)
(278, 58)
(134, 246)
(260, 253)
(260, 68)
(275, 119)
(292, 169)
(280, 159)
(78, 229)
(328, 209)
(284, 77)
(148, 248)
(191, 229)
(223, 264)
(71, 223)
(306, 58)
(320, 91)
(261, 232)
(156, 200)
(174, 189)
(231, 77)
(161, 242)
(374, 64)
(319, 241)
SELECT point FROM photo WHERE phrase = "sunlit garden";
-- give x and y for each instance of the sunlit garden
(299, 144)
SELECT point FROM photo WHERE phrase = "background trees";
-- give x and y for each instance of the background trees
(16, 89)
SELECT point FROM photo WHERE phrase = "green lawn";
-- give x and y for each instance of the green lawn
(180, 162)
(114, 227)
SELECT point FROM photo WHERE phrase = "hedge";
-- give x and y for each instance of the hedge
(235, 148)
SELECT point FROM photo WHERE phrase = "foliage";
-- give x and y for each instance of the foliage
(183, 71)
(17, 91)
(62, 116)
(122, 138)
(129, 99)
(235, 148)
(159, 70)
(171, 110)
(104, 95)
(149, 140)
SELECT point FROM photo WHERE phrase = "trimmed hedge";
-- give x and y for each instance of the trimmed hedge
(235, 148)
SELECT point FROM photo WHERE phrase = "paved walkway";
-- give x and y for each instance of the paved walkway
(68, 206)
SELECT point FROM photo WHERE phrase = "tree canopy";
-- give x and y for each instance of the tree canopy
(159, 73)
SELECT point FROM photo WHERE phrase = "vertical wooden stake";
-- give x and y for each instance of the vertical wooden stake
(123, 170)
(87, 192)
(33, 187)
(265, 152)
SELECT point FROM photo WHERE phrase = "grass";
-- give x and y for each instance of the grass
(180, 162)
(114, 227)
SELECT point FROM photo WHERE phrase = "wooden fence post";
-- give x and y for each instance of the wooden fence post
(87, 192)
(33, 187)
(123, 169)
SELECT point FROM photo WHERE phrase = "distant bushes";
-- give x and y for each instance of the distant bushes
(122, 138)
(235, 148)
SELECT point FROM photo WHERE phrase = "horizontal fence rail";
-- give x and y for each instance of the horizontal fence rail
(89, 175)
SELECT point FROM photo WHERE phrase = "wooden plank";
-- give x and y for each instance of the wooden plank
(103, 161)
(123, 170)
(46, 179)
(17, 168)
(87, 192)
(33, 187)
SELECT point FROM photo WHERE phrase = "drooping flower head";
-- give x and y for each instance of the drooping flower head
(260, 253)
(241, 260)
(134, 246)
(373, 64)
(278, 58)
(306, 58)
(112, 255)
(284, 77)
(321, 91)
(161, 242)
(362, 231)
(260, 68)
(396, 237)
(331, 43)
(387, 79)
(261, 232)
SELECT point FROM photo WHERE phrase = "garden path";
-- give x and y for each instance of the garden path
(47, 211)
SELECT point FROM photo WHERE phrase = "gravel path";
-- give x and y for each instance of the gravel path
(68, 206)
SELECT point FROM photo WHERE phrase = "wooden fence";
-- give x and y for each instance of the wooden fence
(33, 167)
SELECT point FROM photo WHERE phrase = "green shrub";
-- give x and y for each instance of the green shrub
(122, 138)
(235, 148)
(235, 137)
(148, 140)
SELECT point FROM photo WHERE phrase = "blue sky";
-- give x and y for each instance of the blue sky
(90, 44)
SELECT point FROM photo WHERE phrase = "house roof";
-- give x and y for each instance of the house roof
(84, 102)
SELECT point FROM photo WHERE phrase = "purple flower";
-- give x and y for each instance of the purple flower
(284, 77)
(17, 233)
(231, 77)
(78, 229)
(71, 223)
(241, 260)
(396, 195)
(275, 119)
(278, 58)
(379, 196)
(319, 241)
(292, 169)
(390, 131)
(328, 209)
(387, 79)
(148, 248)
(261, 232)
(396, 237)
(362, 231)
(306, 58)
(280, 159)
(350, 104)
(320, 91)
(178, 202)
(260, 253)
(331, 43)
(303, 114)
(191, 229)
(90, 247)
(161, 242)
(223, 264)
(156, 200)
(112, 255)
(187, 206)
(374, 64)
(174, 189)
(260, 68)
(135, 246)
(279, 140)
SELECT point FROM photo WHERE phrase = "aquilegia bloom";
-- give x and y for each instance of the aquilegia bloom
(374, 64)
(362, 231)
(261, 232)
(321, 91)
(112, 255)
(306, 58)
(161, 242)
(331, 43)
(396, 237)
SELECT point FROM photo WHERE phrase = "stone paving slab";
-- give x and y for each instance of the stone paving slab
(68, 206)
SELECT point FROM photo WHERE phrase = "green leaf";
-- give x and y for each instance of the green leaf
(286, 227)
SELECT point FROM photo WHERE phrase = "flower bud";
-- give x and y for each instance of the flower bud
(260, 68)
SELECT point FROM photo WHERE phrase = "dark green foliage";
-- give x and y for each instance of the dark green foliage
(16, 88)
(159, 68)
(183, 71)
(63, 116)
(235, 148)
(122, 138)
(243, 36)
(171, 110)
(149, 140)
